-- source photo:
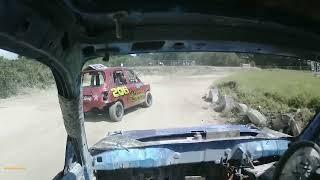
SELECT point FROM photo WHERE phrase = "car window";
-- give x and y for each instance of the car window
(119, 78)
(92, 79)
(100, 80)
(132, 77)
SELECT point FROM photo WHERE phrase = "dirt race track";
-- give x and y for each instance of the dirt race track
(33, 138)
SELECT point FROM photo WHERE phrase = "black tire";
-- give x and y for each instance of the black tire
(148, 100)
(116, 111)
(291, 150)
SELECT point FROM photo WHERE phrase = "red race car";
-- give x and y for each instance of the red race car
(114, 89)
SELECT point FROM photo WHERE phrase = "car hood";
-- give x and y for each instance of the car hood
(156, 148)
(140, 138)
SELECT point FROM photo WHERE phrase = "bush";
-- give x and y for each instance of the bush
(314, 103)
(17, 75)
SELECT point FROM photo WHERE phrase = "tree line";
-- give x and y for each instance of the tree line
(176, 59)
(205, 59)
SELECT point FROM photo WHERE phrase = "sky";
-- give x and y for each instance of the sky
(7, 54)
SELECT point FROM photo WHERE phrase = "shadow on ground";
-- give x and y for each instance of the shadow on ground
(99, 116)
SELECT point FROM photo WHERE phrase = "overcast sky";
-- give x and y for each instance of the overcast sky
(8, 54)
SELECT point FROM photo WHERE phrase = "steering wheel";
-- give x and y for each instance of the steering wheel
(301, 161)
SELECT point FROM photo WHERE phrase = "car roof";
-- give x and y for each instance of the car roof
(46, 30)
(101, 67)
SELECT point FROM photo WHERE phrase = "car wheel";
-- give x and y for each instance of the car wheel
(300, 161)
(148, 100)
(116, 111)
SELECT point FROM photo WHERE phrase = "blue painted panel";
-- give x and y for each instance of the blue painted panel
(165, 155)
(312, 131)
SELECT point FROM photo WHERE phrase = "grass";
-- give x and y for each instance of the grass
(275, 91)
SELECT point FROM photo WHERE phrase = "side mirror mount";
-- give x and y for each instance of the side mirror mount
(106, 57)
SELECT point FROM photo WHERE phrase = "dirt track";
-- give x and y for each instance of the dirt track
(32, 134)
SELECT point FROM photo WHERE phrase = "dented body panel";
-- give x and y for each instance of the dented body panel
(165, 147)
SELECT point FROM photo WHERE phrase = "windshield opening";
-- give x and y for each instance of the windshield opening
(203, 89)
(92, 79)
(149, 97)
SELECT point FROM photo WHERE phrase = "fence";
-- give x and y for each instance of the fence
(302, 68)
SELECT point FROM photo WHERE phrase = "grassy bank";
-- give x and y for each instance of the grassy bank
(19, 75)
(275, 91)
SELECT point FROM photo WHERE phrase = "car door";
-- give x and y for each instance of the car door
(135, 87)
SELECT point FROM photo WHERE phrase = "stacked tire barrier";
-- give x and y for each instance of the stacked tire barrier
(224, 103)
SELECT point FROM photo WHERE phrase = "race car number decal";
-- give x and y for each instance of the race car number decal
(120, 91)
